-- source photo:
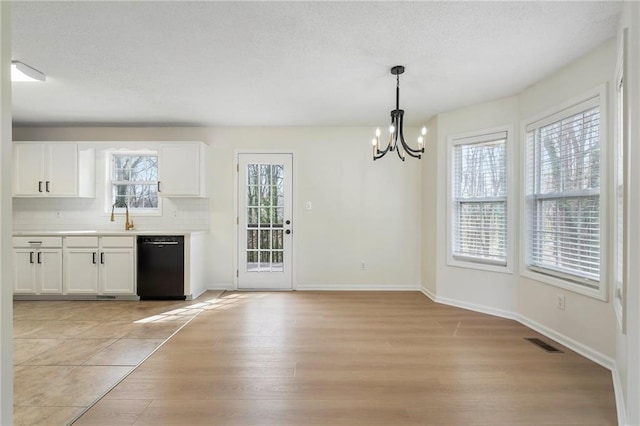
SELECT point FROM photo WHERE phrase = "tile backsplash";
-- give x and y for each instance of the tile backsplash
(59, 214)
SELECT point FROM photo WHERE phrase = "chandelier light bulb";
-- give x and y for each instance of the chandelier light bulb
(373, 141)
(378, 132)
(392, 129)
(424, 130)
(420, 140)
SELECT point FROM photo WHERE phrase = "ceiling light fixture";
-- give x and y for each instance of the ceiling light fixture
(23, 72)
(396, 137)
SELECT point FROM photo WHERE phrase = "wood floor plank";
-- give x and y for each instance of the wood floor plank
(356, 358)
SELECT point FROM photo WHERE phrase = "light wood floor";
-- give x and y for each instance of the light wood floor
(340, 358)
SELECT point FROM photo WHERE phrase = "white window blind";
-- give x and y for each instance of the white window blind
(479, 196)
(563, 194)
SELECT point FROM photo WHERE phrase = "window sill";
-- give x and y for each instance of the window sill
(479, 266)
(599, 294)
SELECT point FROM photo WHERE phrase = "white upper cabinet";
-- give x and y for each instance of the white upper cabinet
(181, 171)
(53, 169)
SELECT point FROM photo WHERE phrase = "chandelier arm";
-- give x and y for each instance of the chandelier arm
(383, 152)
(406, 146)
(409, 149)
(418, 156)
(399, 154)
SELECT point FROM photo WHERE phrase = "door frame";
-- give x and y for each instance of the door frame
(294, 211)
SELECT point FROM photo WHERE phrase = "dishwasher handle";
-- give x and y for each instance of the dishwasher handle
(161, 243)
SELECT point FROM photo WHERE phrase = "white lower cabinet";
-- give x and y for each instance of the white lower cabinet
(117, 271)
(99, 265)
(37, 265)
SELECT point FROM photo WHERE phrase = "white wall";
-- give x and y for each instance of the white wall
(6, 256)
(362, 211)
(431, 250)
(490, 291)
(588, 324)
(588, 321)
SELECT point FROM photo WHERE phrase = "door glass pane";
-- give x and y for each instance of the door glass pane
(252, 196)
(265, 240)
(277, 240)
(252, 174)
(278, 215)
(252, 240)
(265, 174)
(265, 218)
(265, 260)
(265, 195)
(252, 218)
(252, 261)
(277, 264)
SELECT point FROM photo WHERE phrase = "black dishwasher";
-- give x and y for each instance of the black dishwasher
(161, 267)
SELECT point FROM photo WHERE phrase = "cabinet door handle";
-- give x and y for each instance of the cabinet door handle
(39, 257)
(102, 258)
(30, 257)
(94, 257)
(39, 186)
(159, 186)
(46, 186)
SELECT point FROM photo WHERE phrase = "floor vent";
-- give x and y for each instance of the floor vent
(544, 345)
(101, 296)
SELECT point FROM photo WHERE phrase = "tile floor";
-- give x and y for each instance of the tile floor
(68, 354)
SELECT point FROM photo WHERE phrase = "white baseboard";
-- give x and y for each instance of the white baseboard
(428, 293)
(356, 287)
(584, 350)
(470, 306)
(219, 286)
(566, 341)
(620, 405)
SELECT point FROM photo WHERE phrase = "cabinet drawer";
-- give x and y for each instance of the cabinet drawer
(81, 242)
(37, 241)
(117, 242)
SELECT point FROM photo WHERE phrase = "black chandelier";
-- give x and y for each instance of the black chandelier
(396, 137)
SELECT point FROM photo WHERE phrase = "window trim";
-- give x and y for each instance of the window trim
(620, 163)
(478, 137)
(108, 201)
(563, 110)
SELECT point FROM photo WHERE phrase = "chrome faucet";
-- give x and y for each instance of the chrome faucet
(128, 224)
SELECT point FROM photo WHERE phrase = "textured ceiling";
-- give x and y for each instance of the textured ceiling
(287, 63)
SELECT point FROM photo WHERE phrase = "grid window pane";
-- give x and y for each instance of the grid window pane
(252, 240)
(252, 218)
(265, 217)
(563, 200)
(134, 181)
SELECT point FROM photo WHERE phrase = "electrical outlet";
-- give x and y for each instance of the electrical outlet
(560, 304)
(174, 213)
(363, 266)
(308, 205)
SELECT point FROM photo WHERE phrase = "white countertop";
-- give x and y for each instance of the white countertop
(85, 232)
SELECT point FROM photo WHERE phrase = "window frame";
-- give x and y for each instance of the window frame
(553, 114)
(474, 137)
(109, 182)
(620, 215)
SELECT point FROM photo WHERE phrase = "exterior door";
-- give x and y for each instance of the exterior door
(265, 221)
